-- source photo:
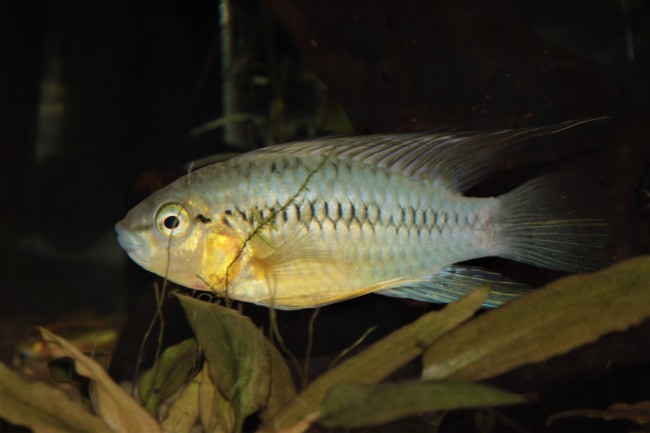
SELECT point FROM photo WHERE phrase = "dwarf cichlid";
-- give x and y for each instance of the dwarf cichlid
(315, 222)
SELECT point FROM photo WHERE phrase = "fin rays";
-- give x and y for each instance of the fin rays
(456, 161)
(456, 281)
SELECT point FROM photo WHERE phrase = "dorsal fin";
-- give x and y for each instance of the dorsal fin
(456, 161)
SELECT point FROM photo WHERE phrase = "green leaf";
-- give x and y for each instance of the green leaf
(246, 370)
(120, 411)
(382, 358)
(43, 408)
(639, 413)
(217, 414)
(168, 375)
(353, 405)
(282, 387)
(550, 321)
(183, 413)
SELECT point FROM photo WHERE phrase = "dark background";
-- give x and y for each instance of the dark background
(98, 101)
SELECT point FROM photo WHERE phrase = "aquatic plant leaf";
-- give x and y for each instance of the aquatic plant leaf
(62, 371)
(382, 358)
(118, 409)
(282, 389)
(426, 423)
(639, 413)
(43, 408)
(550, 321)
(168, 375)
(217, 415)
(183, 413)
(354, 405)
(245, 368)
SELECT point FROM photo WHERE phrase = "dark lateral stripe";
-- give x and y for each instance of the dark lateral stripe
(298, 215)
(346, 213)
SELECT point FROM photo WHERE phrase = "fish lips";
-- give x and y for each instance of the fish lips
(131, 243)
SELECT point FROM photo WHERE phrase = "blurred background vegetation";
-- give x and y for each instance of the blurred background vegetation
(102, 103)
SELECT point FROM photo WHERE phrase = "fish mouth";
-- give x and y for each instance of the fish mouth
(131, 243)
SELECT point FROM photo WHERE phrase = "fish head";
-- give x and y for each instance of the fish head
(170, 233)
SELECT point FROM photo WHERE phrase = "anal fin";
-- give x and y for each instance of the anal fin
(455, 281)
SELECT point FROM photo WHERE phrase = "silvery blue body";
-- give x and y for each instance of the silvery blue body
(311, 223)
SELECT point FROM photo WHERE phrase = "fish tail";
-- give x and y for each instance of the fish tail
(543, 223)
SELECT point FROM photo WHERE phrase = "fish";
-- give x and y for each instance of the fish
(311, 223)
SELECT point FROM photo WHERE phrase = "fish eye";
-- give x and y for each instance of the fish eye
(172, 220)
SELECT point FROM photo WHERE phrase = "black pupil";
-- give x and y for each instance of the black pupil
(171, 222)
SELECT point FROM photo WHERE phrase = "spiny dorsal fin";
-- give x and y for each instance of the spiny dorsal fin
(456, 161)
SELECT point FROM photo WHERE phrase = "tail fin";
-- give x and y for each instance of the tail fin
(539, 223)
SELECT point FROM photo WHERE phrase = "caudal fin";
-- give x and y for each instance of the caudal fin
(541, 224)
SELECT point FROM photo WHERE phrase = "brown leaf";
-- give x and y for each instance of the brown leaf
(247, 371)
(170, 373)
(217, 414)
(43, 408)
(120, 411)
(382, 358)
(550, 321)
(354, 405)
(183, 413)
(639, 413)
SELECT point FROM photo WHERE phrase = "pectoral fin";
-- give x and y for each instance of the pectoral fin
(294, 256)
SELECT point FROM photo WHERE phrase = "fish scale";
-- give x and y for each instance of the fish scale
(394, 225)
(310, 223)
(402, 218)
